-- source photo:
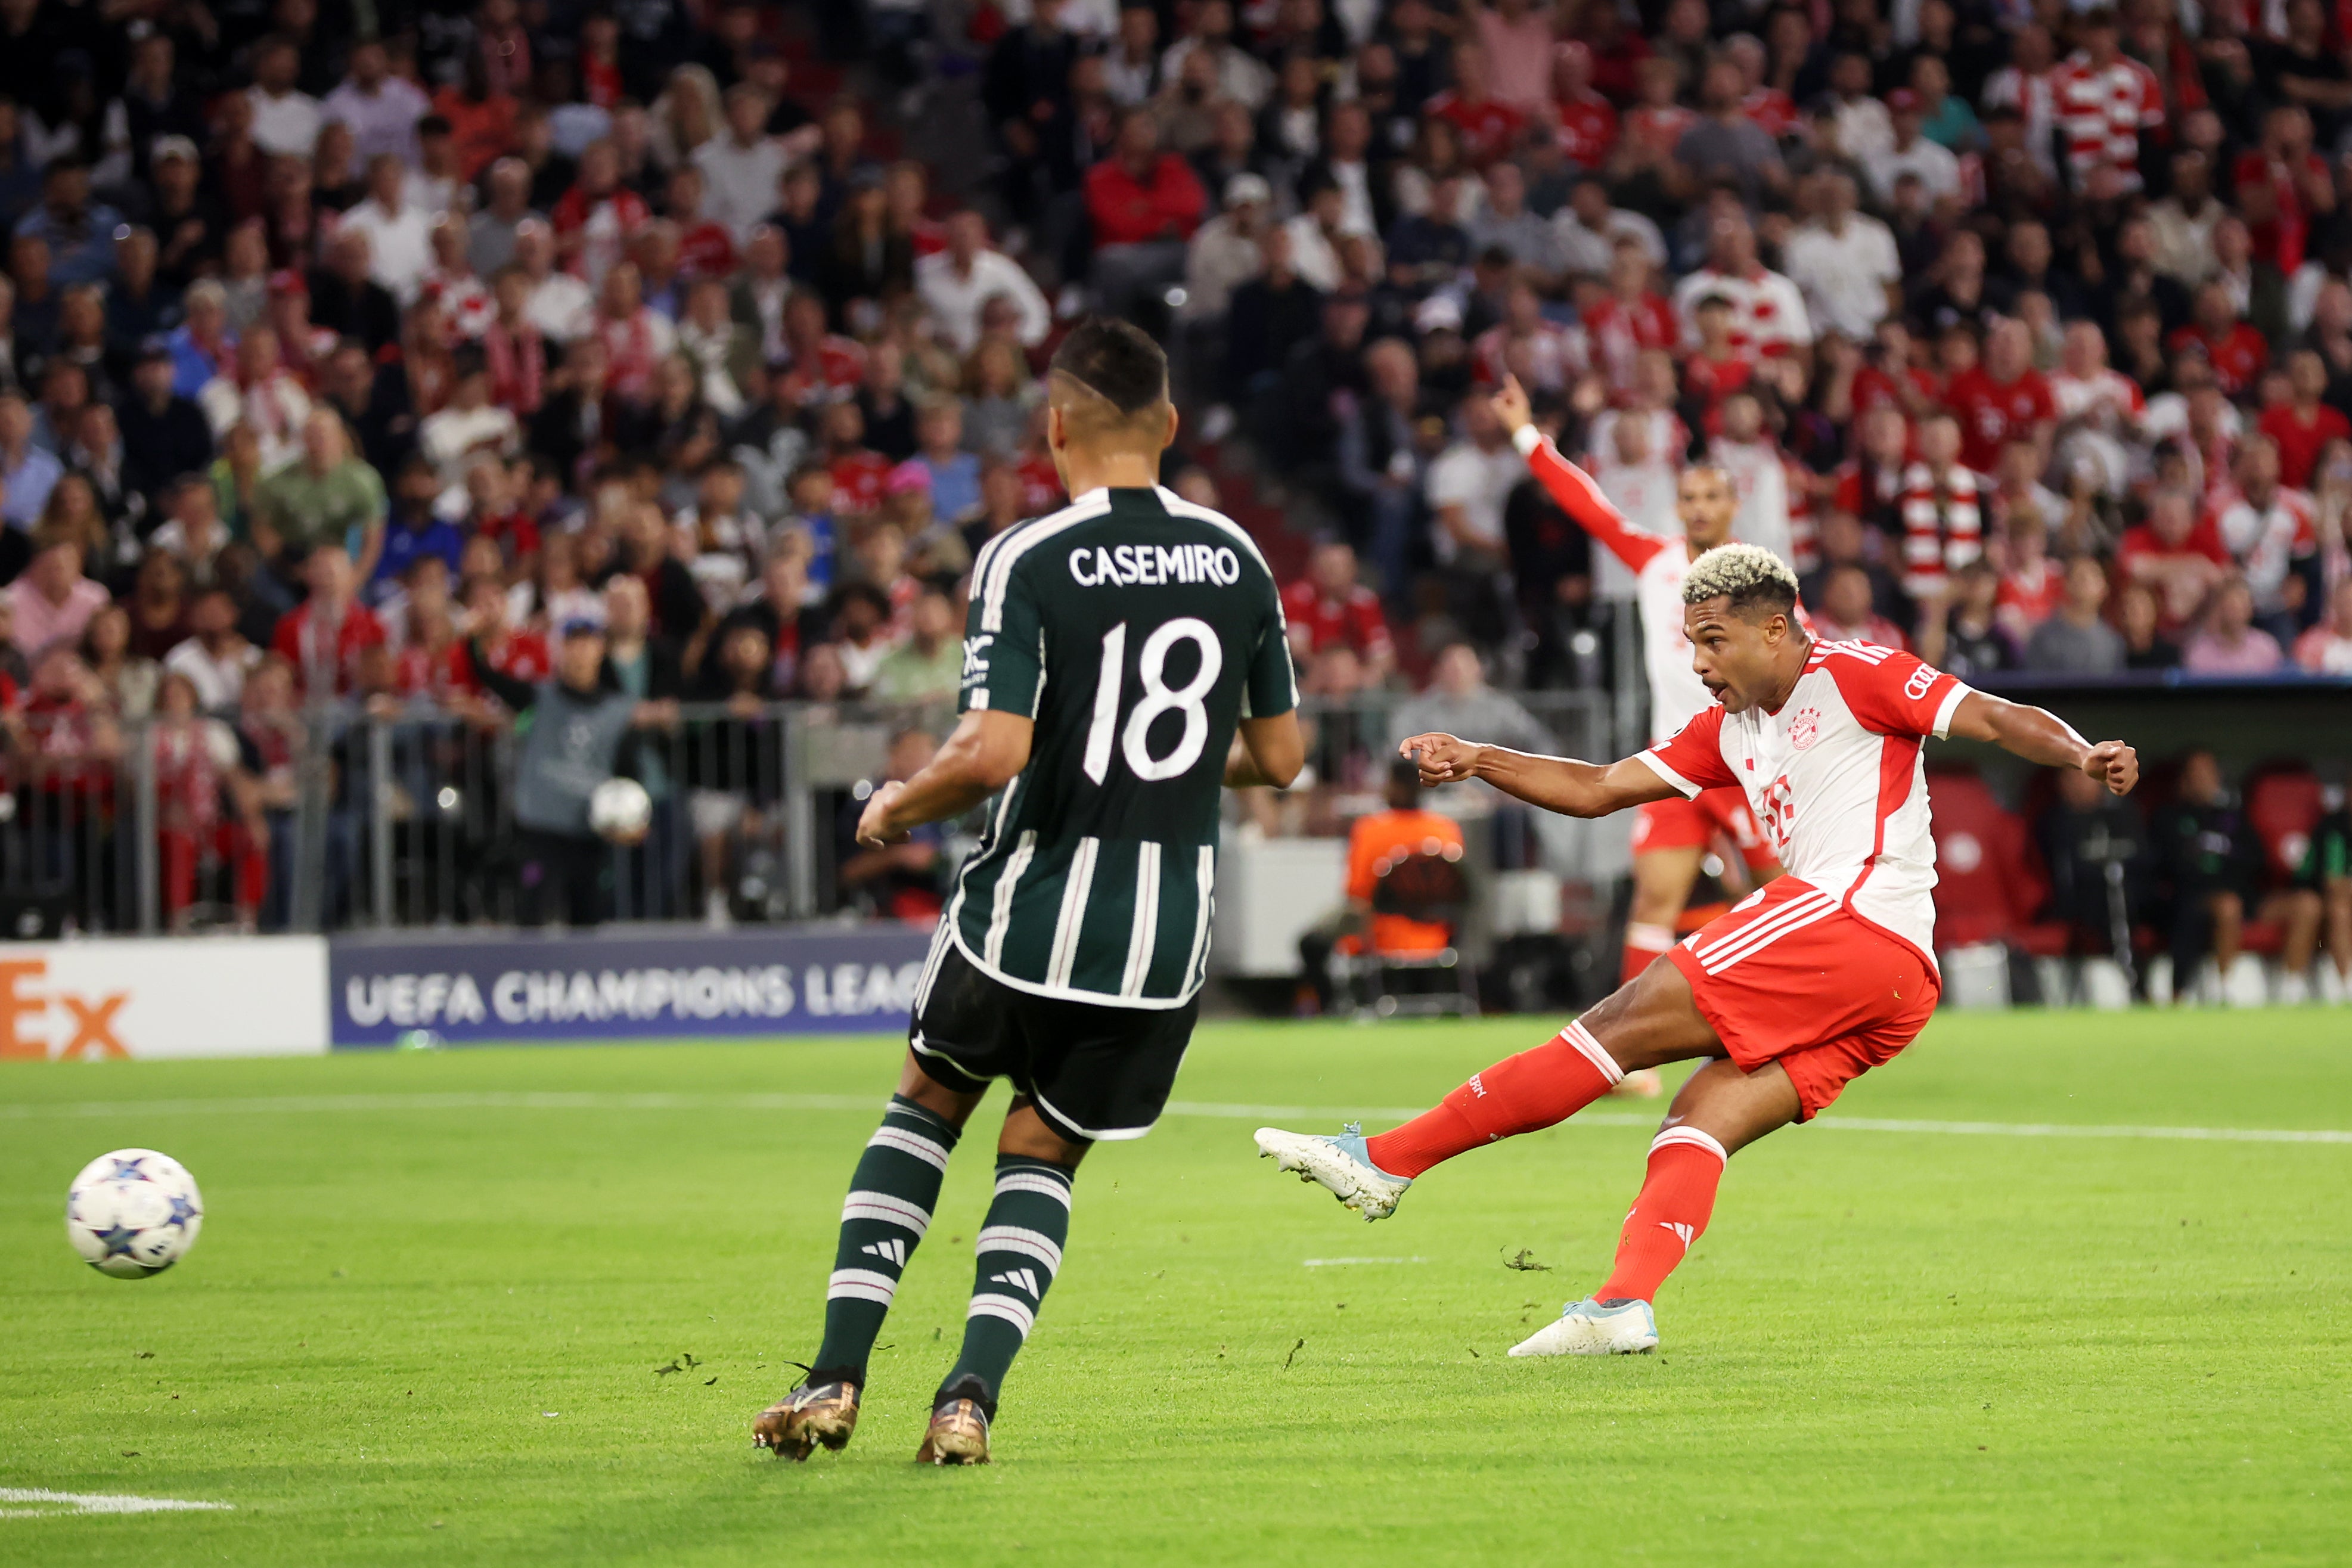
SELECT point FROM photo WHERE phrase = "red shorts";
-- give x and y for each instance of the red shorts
(1788, 975)
(1680, 824)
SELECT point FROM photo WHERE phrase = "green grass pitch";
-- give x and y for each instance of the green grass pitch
(424, 1321)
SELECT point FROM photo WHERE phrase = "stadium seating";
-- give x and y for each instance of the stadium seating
(1989, 881)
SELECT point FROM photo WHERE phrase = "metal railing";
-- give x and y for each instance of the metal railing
(340, 817)
(748, 802)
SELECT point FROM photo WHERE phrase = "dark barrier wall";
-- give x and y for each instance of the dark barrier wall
(643, 984)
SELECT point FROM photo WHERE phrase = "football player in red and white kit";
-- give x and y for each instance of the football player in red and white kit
(1798, 989)
(1670, 836)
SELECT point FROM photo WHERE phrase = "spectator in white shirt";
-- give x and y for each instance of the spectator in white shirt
(1468, 484)
(1912, 153)
(1239, 76)
(1588, 229)
(560, 306)
(214, 657)
(469, 425)
(285, 120)
(1863, 129)
(400, 236)
(740, 170)
(1768, 311)
(381, 108)
(1844, 261)
(957, 282)
(1228, 250)
(1132, 67)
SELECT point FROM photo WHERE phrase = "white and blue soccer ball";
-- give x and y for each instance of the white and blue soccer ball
(620, 811)
(133, 1213)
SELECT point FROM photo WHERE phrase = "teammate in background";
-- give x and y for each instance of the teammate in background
(1800, 989)
(1670, 836)
(1112, 652)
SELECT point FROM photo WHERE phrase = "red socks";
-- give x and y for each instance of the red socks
(1519, 1094)
(1677, 1196)
(1643, 943)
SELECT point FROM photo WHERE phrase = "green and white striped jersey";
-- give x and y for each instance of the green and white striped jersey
(1136, 630)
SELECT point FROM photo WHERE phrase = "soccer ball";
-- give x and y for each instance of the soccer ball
(620, 810)
(133, 1213)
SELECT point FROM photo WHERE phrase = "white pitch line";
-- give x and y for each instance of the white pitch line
(78, 1502)
(319, 1104)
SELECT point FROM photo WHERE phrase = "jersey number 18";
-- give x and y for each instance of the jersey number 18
(1159, 697)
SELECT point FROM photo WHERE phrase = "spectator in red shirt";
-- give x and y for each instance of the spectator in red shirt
(521, 655)
(1588, 121)
(858, 472)
(597, 215)
(1845, 613)
(820, 367)
(1144, 205)
(2282, 184)
(2174, 555)
(1893, 373)
(2004, 399)
(323, 636)
(705, 248)
(1487, 127)
(1715, 370)
(1771, 108)
(1632, 318)
(1330, 607)
(2302, 426)
(2237, 352)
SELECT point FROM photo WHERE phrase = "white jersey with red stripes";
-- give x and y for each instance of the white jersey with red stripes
(1837, 778)
(1659, 562)
(2101, 112)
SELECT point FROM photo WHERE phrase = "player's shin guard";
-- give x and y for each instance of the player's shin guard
(891, 1197)
(1519, 1094)
(1644, 946)
(1020, 1248)
(1676, 1199)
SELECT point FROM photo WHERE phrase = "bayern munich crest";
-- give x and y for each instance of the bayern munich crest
(1805, 729)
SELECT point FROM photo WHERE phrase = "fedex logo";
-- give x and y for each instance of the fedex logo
(40, 1024)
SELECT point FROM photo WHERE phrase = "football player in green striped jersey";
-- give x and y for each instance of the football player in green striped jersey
(1124, 659)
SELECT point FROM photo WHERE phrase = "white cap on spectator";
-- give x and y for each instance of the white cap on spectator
(164, 147)
(1438, 313)
(1244, 188)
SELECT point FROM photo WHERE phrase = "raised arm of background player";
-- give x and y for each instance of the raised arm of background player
(1572, 486)
(989, 749)
(1575, 788)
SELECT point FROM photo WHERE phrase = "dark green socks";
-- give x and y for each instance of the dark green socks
(891, 1197)
(1020, 1247)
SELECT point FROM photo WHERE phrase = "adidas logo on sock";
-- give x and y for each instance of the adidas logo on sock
(1683, 1232)
(893, 1250)
(1022, 1279)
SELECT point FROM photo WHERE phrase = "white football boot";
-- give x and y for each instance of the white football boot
(1595, 1328)
(1341, 1166)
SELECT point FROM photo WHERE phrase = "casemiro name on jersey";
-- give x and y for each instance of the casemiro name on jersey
(1151, 566)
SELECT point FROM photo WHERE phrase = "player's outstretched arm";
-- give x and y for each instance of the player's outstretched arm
(1268, 751)
(987, 752)
(2040, 736)
(1570, 486)
(1560, 784)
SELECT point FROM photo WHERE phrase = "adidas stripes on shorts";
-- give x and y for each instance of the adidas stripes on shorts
(1787, 974)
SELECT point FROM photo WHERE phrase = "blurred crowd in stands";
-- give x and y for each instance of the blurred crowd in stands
(349, 352)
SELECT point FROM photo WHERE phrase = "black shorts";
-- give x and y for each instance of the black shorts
(1094, 1072)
